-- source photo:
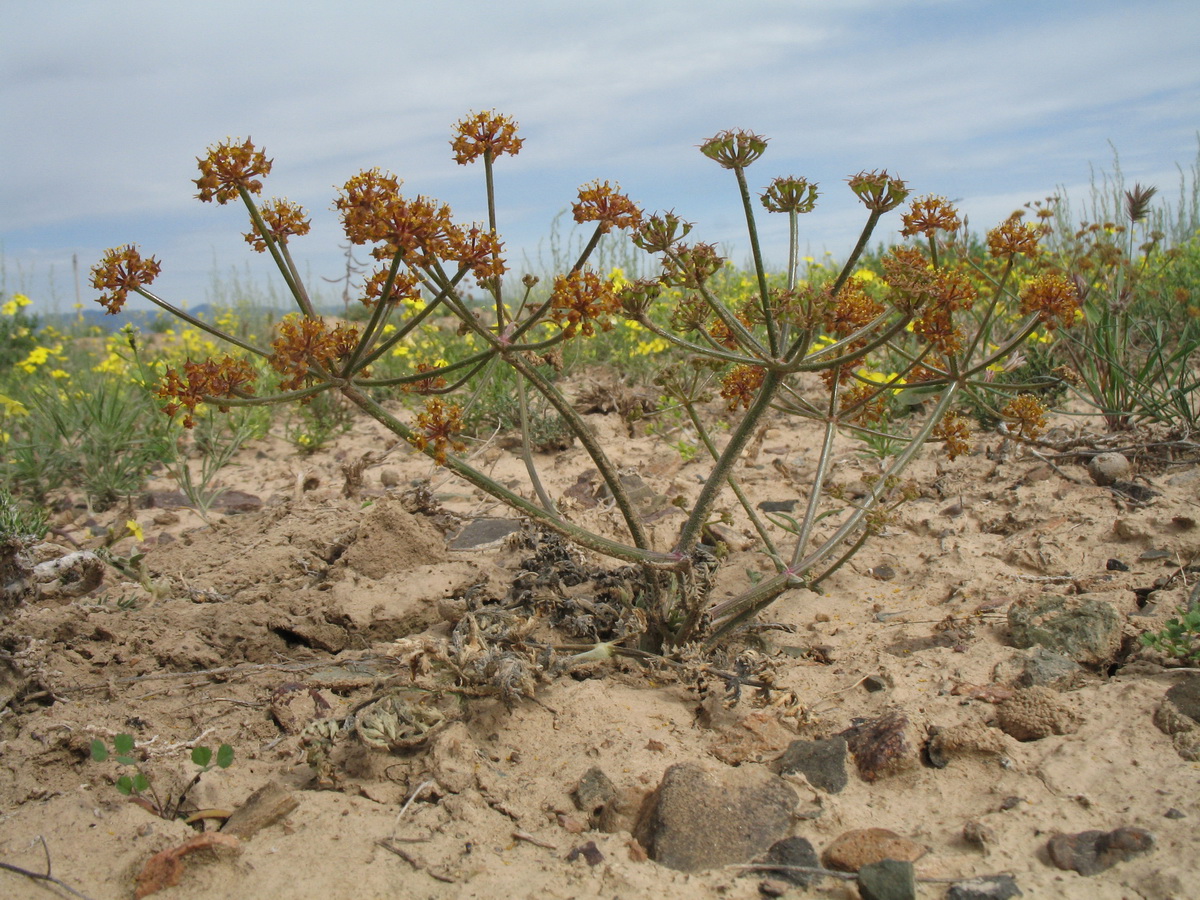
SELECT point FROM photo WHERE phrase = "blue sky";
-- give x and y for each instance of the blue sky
(105, 107)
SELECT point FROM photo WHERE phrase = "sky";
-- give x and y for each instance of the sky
(991, 103)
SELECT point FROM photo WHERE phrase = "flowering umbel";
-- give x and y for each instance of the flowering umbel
(1052, 296)
(929, 214)
(1029, 414)
(122, 270)
(879, 191)
(955, 434)
(439, 425)
(229, 167)
(1012, 236)
(604, 204)
(580, 300)
(283, 220)
(306, 342)
(739, 385)
(482, 134)
(207, 380)
(788, 195)
(734, 149)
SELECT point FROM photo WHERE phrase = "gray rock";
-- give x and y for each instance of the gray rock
(794, 851)
(1084, 629)
(484, 534)
(1039, 667)
(888, 879)
(1091, 852)
(1108, 468)
(822, 762)
(1185, 695)
(594, 791)
(988, 887)
(699, 819)
(1035, 713)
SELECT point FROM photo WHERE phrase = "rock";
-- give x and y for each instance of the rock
(1109, 468)
(1091, 852)
(822, 762)
(237, 502)
(968, 739)
(1185, 695)
(888, 879)
(589, 853)
(987, 887)
(594, 790)
(264, 807)
(1038, 667)
(794, 851)
(1177, 713)
(622, 811)
(773, 887)
(1084, 629)
(854, 849)
(698, 819)
(1034, 713)
(389, 477)
(884, 746)
(978, 834)
(484, 534)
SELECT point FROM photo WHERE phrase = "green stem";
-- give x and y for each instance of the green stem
(690, 535)
(273, 246)
(872, 221)
(764, 297)
(200, 324)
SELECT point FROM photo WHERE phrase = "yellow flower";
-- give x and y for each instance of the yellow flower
(12, 407)
(10, 308)
(59, 373)
(37, 357)
(135, 529)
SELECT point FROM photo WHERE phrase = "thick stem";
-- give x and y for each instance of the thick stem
(690, 535)
(872, 221)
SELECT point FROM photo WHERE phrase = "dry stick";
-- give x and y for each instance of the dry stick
(37, 876)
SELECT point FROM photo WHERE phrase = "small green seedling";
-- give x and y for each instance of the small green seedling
(1179, 638)
(138, 786)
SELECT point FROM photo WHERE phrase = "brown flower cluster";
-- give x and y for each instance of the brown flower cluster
(600, 202)
(305, 343)
(427, 385)
(864, 404)
(807, 307)
(406, 286)
(421, 229)
(484, 134)
(854, 309)
(790, 195)
(950, 292)
(929, 214)
(1013, 236)
(439, 425)
(208, 380)
(229, 167)
(283, 220)
(580, 301)
(734, 148)
(1052, 296)
(122, 270)
(910, 276)
(955, 434)
(879, 191)
(740, 384)
(1029, 414)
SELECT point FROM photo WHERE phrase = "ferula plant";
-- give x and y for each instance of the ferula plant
(939, 321)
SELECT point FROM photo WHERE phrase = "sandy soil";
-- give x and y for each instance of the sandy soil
(276, 624)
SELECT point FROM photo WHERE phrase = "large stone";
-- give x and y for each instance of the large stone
(822, 762)
(794, 852)
(1084, 629)
(700, 819)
